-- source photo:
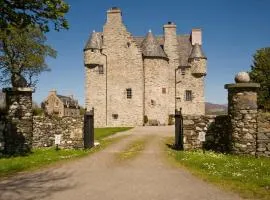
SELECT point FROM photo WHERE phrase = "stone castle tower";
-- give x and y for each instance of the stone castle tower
(133, 80)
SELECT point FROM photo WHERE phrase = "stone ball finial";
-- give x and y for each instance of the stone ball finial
(242, 77)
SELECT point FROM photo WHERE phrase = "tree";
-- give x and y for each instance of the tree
(22, 13)
(22, 56)
(260, 73)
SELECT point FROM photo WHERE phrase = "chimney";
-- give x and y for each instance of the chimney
(196, 36)
(169, 29)
(53, 91)
(114, 15)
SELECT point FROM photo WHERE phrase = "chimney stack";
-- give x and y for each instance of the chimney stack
(196, 36)
(114, 15)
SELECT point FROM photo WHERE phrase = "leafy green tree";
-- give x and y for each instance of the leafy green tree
(260, 73)
(22, 13)
(22, 56)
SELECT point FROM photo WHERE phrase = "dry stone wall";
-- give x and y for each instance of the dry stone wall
(212, 128)
(263, 135)
(70, 129)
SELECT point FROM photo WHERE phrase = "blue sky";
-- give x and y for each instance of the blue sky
(232, 32)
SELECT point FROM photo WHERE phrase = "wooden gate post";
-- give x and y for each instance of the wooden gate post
(178, 130)
(89, 129)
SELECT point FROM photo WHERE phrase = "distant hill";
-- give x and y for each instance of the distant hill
(215, 109)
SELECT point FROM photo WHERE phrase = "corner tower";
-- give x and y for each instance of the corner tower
(156, 76)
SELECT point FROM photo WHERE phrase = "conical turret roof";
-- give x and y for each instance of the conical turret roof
(94, 41)
(197, 52)
(151, 48)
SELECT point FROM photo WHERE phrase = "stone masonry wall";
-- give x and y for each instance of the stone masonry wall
(125, 70)
(156, 90)
(171, 49)
(95, 86)
(214, 128)
(45, 129)
(196, 84)
(263, 135)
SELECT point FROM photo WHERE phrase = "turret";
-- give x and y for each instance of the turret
(197, 59)
(151, 48)
(156, 80)
(92, 50)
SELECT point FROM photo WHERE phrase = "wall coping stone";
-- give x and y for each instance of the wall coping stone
(18, 89)
(241, 85)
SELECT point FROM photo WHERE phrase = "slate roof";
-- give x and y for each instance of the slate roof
(151, 47)
(197, 52)
(94, 41)
(68, 101)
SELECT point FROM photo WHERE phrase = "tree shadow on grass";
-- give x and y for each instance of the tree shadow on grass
(34, 186)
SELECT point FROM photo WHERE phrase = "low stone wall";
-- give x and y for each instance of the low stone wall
(70, 128)
(263, 136)
(213, 128)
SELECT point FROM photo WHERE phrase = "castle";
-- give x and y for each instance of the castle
(132, 81)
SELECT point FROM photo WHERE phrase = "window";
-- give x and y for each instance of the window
(163, 90)
(129, 93)
(188, 96)
(153, 103)
(115, 116)
(128, 44)
(183, 71)
(100, 69)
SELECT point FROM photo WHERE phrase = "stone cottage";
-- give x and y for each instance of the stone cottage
(135, 80)
(60, 105)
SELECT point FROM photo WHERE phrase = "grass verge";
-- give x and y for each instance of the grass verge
(132, 150)
(101, 133)
(43, 157)
(246, 175)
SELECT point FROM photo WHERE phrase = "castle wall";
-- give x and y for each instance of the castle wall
(171, 49)
(95, 86)
(156, 90)
(196, 106)
(125, 70)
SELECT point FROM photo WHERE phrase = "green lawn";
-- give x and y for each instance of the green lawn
(105, 132)
(44, 156)
(247, 175)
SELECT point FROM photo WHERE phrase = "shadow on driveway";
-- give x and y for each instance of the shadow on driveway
(34, 186)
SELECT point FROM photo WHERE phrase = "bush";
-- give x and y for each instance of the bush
(38, 111)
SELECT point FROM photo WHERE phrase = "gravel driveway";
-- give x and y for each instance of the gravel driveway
(101, 176)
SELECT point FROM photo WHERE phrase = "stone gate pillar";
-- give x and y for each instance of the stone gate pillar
(242, 111)
(19, 129)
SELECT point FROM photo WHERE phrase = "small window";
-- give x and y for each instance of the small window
(128, 44)
(100, 69)
(183, 71)
(115, 116)
(129, 93)
(163, 90)
(92, 50)
(153, 103)
(188, 96)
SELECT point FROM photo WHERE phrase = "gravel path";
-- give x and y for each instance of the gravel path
(101, 176)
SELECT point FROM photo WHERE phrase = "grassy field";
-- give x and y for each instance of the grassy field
(246, 175)
(45, 156)
(132, 150)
